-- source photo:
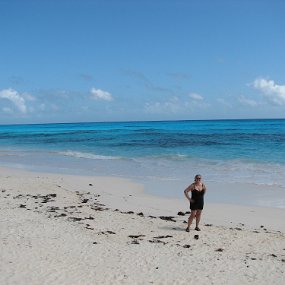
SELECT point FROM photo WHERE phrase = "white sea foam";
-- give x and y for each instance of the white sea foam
(87, 155)
(231, 171)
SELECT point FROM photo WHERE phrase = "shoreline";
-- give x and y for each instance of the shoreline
(220, 192)
(130, 195)
(65, 229)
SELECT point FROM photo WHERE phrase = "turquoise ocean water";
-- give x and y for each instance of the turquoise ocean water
(163, 155)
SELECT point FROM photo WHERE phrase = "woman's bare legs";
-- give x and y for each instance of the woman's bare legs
(191, 218)
(198, 218)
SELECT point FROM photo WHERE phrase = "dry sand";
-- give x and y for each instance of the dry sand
(60, 229)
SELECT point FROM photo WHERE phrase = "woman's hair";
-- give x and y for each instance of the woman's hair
(197, 176)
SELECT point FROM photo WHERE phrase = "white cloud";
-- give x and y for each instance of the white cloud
(196, 96)
(28, 97)
(16, 98)
(223, 102)
(273, 92)
(174, 105)
(246, 101)
(63, 94)
(54, 107)
(99, 94)
(170, 106)
(42, 107)
(7, 110)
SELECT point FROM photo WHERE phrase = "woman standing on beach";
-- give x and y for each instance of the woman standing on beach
(197, 190)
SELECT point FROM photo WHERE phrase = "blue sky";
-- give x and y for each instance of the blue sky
(72, 60)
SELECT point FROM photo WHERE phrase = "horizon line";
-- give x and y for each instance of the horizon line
(139, 121)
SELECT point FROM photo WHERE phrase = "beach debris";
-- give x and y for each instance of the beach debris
(99, 204)
(53, 209)
(90, 184)
(47, 198)
(140, 214)
(220, 249)
(153, 217)
(66, 207)
(167, 218)
(60, 215)
(106, 232)
(89, 228)
(187, 246)
(181, 214)
(238, 229)
(208, 225)
(135, 242)
(89, 218)
(95, 242)
(196, 236)
(129, 212)
(22, 206)
(136, 236)
(167, 236)
(157, 241)
(274, 255)
(98, 208)
(84, 201)
(74, 219)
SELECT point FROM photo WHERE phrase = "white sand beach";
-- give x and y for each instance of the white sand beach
(63, 229)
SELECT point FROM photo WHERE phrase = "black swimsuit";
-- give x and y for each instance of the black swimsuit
(198, 197)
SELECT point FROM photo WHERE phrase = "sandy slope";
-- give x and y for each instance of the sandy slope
(57, 229)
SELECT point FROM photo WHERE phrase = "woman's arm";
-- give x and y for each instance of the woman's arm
(204, 188)
(186, 191)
